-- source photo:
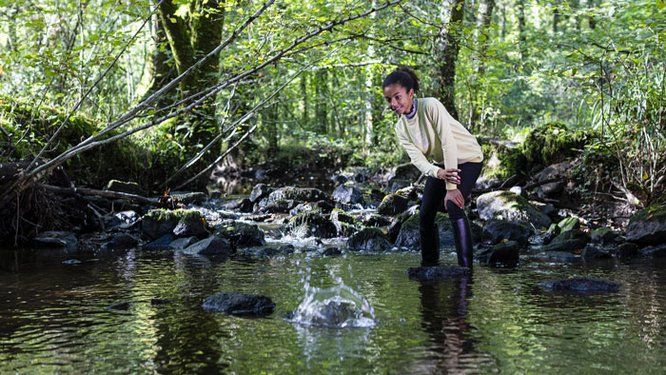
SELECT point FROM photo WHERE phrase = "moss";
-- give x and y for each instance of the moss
(552, 143)
(654, 212)
(161, 214)
(413, 221)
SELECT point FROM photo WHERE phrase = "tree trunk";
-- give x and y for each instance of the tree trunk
(160, 69)
(306, 99)
(482, 27)
(446, 52)
(521, 29)
(556, 18)
(321, 110)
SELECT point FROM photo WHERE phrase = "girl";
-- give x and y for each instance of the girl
(426, 130)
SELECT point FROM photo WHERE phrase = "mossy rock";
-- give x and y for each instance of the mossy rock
(409, 236)
(552, 143)
(312, 223)
(158, 222)
(506, 205)
(648, 226)
(241, 234)
(369, 240)
(345, 223)
(393, 204)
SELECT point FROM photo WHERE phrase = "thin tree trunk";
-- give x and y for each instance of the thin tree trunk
(482, 28)
(446, 52)
(521, 29)
(321, 110)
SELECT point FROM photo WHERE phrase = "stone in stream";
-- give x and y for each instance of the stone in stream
(189, 197)
(579, 285)
(181, 243)
(348, 195)
(572, 241)
(556, 257)
(56, 240)
(286, 198)
(603, 235)
(436, 273)
(158, 222)
(594, 251)
(369, 240)
(241, 234)
(504, 254)
(239, 304)
(122, 219)
(393, 204)
(262, 252)
(210, 246)
(626, 250)
(496, 231)
(511, 207)
(312, 223)
(409, 236)
(658, 251)
(260, 191)
(161, 244)
(120, 241)
(648, 226)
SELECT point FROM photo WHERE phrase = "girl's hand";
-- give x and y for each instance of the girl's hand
(456, 197)
(450, 175)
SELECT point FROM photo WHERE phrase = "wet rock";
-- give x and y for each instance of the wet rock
(402, 176)
(626, 250)
(556, 257)
(191, 225)
(505, 254)
(128, 187)
(331, 252)
(579, 285)
(286, 198)
(241, 234)
(71, 261)
(348, 195)
(312, 223)
(189, 197)
(603, 235)
(261, 252)
(555, 171)
(596, 251)
(409, 236)
(245, 205)
(658, 251)
(374, 220)
(56, 240)
(158, 222)
(210, 246)
(120, 241)
(239, 304)
(277, 206)
(393, 204)
(260, 191)
(122, 219)
(497, 231)
(161, 244)
(345, 223)
(436, 273)
(565, 225)
(648, 226)
(572, 241)
(181, 243)
(505, 205)
(321, 206)
(369, 240)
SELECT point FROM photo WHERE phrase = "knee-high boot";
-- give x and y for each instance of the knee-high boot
(463, 240)
(429, 246)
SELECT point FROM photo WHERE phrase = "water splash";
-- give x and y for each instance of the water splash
(336, 307)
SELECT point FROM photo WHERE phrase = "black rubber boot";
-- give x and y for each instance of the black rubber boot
(429, 246)
(463, 239)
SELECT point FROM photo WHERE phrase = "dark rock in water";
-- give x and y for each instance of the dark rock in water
(56, 240)
(125, 187)
(286, 198)
(331, 252)
(505, 254)
(509, 206)
(374, 220)
(369, 240)
(189, 197)
(241, 234)
(158, 222)
(312, 223)
(579, 285)
(71, 261)
(339, 179)
(159, 301)
(261, 252)
(210, 246)
(191, 225)
(245, 205)
(648, 226)
(260, 191)
(181, 243)
(121, 306)
(275, 207)
(496, 231)
(595, 251)
(404, 172)
(239, 304)
(122, 219)
(345, 223)
(626, 250)
(436, 273)
(161, 244)
(556, 257)
(603, 235)
(120, 241)
(572, 241)
(658, 251)
(348, 195)
(393, 204)
(321, 206)
(409, 235)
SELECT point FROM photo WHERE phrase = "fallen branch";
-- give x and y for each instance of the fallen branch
(101, 193)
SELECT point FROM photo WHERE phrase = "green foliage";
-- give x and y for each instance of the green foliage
(552, 143)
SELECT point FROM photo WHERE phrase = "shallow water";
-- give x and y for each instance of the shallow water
(54, 318)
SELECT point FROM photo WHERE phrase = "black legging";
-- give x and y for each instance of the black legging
(433, 196)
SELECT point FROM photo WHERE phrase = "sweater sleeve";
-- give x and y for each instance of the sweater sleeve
(417, 158)
(441, 121)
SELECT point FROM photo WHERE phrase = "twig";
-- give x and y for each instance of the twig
(101, 193)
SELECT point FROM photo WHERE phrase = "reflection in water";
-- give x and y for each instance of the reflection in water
(444, 308)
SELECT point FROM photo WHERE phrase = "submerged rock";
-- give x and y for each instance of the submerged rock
(409, 236)
(499, 230)
(436, 273)
(312, 223)
(241, 234)
(161, 244)
(505, 254)
(239, 304)
(348, 195)
(579, 285)
(57, 240)
(648, 226)
(369, 240)
(120, 241)
(508, 206)
(210, 246)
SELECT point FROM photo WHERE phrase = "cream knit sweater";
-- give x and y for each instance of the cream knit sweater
(433, 133)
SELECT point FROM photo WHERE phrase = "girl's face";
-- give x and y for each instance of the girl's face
(398, 98)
